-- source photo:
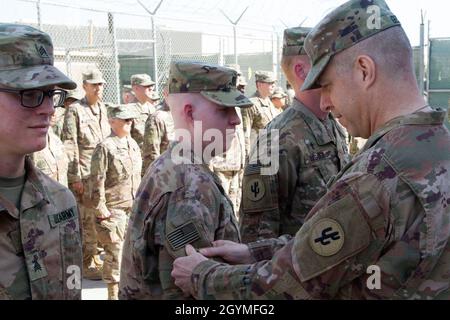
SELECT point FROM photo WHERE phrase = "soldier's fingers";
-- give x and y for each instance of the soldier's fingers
(190, 250)
(212, 252)
(221, 243)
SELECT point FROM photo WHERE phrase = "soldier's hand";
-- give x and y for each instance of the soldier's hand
(183, 268)
(231, 252)
(78, 187)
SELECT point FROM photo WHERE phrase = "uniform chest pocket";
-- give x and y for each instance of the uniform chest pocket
(87, 131)
(120, 166)
(323, 162)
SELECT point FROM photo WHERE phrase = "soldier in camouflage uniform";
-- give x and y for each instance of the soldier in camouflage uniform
(40, 241)
(279, 99)
(263, 111)
(229, 167)
(60, 113)
(312, 150)
(180, 200)
(159, 133)
(382, 231)
(128, 95)
(53, 160)
(143, 88)
(115, 177)
(85, 126)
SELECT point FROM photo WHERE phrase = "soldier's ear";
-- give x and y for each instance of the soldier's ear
(365, 70)
(300, 70)
(188, 111)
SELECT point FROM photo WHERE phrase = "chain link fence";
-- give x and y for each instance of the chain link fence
(123, 44)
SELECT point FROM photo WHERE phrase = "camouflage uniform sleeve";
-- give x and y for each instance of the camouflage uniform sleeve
(154, 132)
(266, 198)
(99, 169)
(252, 120)
(346, 231)
(70, 140)
(183, 217)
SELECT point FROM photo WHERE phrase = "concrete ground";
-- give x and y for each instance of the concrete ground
(94, 290)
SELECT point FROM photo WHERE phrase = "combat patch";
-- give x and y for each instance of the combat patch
(326, 237)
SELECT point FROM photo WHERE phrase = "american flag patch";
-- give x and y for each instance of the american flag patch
(183, 235)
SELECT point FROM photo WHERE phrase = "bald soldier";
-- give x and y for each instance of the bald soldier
(312, 150)
(86, 125)
(263, 111)
(382, 230)
(115, 177)
(143, 88)
(40, 240)
(180, 200)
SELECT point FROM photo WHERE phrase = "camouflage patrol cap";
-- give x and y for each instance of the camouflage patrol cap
(26, 59)
(265, 76)
(279, 93)
(142, 80)
(213, 82)
(234, 67)
(93, 76)
(75, 94)
(350, 23)
(122, 111)
(127, 88)
(294, 40)
(241, 81)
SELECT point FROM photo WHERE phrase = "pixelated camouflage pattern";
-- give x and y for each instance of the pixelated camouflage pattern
(143, 111)
(83, 129)
(265, 76)
(38, 246)
(215, 83)
(141, 80)
(345, 26)
(311, 152)
(122, 111)
(257, 117)
(93, 76)
(26, 59)
(392, 204)
(229, 167)
(294, 40)
(115, 177)
(170, 196)
(159, 133)
(59, 119)
(53, 160)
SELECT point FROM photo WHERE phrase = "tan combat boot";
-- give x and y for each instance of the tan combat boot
(92, 270)
(113, 291)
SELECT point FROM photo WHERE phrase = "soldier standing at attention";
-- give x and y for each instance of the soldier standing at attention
(386, 214)
(53, 160)
(159, 133)
(85, 126)
(263, 111)
(40, 241)
(312, 150)
(115, 177)
(180, 200)
(143, 87)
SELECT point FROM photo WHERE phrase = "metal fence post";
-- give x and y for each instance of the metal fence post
(115, 53)
(39, 19)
